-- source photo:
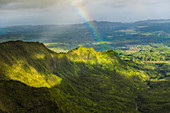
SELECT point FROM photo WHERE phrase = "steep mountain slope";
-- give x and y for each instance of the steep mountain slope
(157, 98)
(81, 80)
(30, 63)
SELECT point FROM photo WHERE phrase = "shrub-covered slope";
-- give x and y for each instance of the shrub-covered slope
(30, 63)
(81, 80)
(157, 98)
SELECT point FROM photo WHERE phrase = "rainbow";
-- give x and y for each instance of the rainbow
(85, 17)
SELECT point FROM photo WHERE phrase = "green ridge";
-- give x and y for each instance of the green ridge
(81, 80)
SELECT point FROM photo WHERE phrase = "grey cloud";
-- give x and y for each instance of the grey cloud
(125, 3)
(28, 4)
(65, 11)
(39, 4)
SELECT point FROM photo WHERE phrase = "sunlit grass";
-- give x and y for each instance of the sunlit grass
(40, 56)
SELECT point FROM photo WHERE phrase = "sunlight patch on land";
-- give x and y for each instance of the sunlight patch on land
(40, 56)
(102, 42)
(54, 43)
(27, 74)
(127, 31)
(141, 26)
(59, 50)
(168, 62)
(147, 34)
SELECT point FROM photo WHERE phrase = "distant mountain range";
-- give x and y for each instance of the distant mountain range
(141, 32)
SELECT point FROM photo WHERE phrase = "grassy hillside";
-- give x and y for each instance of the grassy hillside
(36, 79)
(30, 63)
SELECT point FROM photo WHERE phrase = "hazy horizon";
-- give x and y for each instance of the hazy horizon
(61, 12)
(63, 24)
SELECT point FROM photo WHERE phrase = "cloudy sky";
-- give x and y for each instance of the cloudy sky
(25, 12)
